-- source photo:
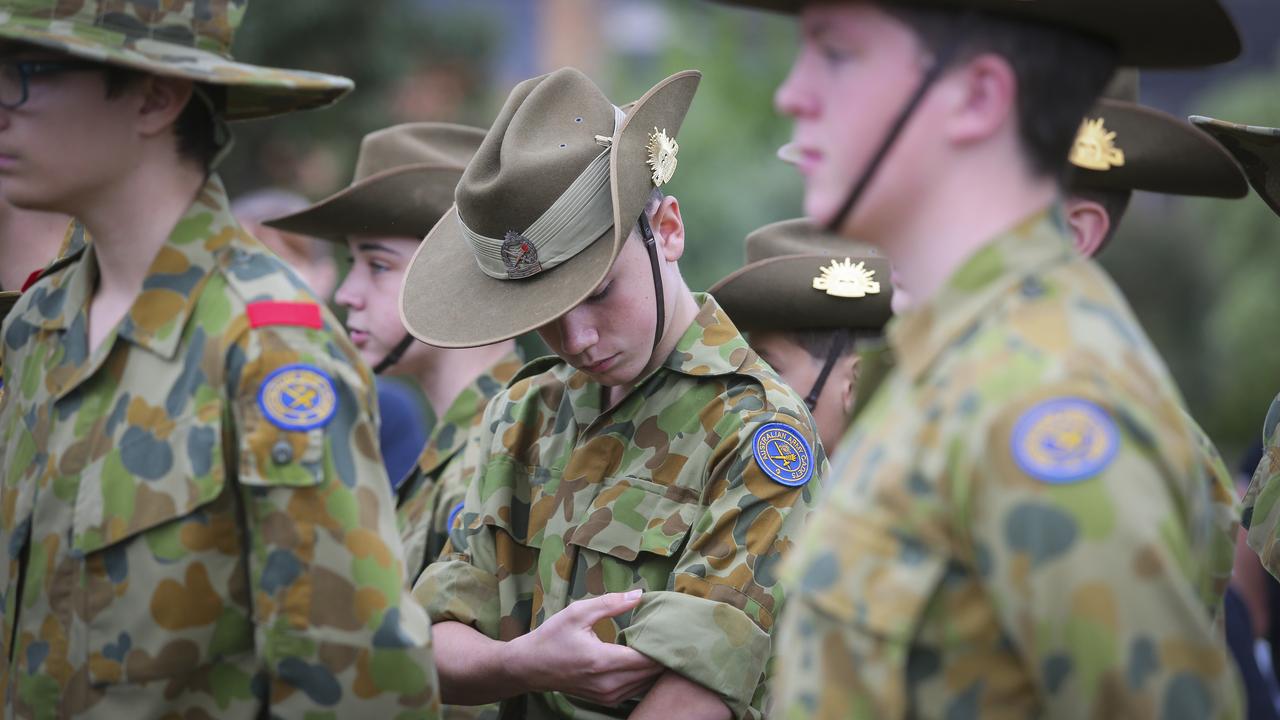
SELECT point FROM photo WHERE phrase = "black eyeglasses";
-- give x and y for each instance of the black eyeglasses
(15, 76)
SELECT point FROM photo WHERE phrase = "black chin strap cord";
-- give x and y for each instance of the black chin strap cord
(652, 246)
(900, 122)
(838, 344)
(394, 356)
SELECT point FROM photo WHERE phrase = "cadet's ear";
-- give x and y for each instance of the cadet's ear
(849, 383)
(1089, 223)
(983, 95)
(163, 100)
(668, 229)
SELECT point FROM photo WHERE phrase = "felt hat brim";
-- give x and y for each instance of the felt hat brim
(1257, 149)
(1163, 154)
(777, 293)
(252, 91)
(447, 301)
(1145, 33)
(405, 201)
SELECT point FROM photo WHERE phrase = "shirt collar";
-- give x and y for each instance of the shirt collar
(710, 346)
(173, 281)
(919, 335)
(451, 429)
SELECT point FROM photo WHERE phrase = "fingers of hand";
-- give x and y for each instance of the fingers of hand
(588, 612)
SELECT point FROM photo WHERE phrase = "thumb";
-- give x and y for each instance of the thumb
(591, 611)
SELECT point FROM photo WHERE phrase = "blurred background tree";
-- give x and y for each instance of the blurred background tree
(1200, 274)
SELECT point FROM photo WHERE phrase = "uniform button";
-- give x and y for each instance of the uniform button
(282, 452)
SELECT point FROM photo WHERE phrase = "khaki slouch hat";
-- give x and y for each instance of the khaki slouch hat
(1144, 33)
(189, 40)
(798, 277)
(1123, 145)
(404, 183)
(543, 208)
(1258, 150)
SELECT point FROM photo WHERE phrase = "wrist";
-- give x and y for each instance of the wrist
(518, 663)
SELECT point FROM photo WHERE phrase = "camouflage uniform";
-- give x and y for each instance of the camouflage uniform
(1261, 511)
(431, 492)
(659, 492)
(169, 548)
(971, 559)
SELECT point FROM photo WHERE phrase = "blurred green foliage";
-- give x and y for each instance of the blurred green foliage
(729, 180)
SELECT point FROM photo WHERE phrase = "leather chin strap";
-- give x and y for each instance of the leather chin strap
(652, 246)
(838, 344)
(394, 356)
(904, 116)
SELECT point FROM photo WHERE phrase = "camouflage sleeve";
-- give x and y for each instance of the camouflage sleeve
(462, 585)
(713, 622)
(1086, 516)
(1261, 511)
(334, 628)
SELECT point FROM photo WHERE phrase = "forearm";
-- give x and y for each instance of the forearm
(474, 669)
(674, 695)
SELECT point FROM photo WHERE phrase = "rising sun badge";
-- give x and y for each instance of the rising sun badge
(1095, 147)
(662, 156)
(847, 279)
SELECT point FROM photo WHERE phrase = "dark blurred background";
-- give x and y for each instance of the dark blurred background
(1203, 275)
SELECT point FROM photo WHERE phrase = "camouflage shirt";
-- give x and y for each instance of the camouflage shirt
(432, 491)
(194, 515)
(1021, 523)
(1261, 509)
(662, 491)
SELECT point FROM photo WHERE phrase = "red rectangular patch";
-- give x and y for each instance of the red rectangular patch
(271, 312)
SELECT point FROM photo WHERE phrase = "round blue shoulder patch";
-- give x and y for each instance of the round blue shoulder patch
(298, 397)
(1064, 440)
(783, 454)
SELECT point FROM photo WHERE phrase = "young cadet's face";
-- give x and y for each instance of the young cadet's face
(371, 295)
(800, 370)
(609, 336)
(68, 141)
(855, 70)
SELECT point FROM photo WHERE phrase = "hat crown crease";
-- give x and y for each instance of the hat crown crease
(577, 218)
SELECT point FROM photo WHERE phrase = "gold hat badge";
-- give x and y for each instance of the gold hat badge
(662, 156)
(847, 279)
(1095, 147)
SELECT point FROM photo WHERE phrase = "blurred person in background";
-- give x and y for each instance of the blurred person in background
(807, 300)
(221, 505)
(1016, 521)
(1257, 148)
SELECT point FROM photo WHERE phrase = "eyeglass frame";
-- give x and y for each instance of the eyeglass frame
(28, 69)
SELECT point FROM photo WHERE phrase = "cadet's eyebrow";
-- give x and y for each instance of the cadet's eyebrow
(375, 247)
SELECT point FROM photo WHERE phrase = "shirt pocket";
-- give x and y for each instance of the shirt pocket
(157, 527)
(858, 598)
(633, 522)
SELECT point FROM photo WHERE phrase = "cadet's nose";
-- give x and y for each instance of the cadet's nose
(576, 332)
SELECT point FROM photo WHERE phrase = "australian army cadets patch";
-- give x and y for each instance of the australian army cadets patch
(783, 454)
(298, 397)
(1064, 440)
